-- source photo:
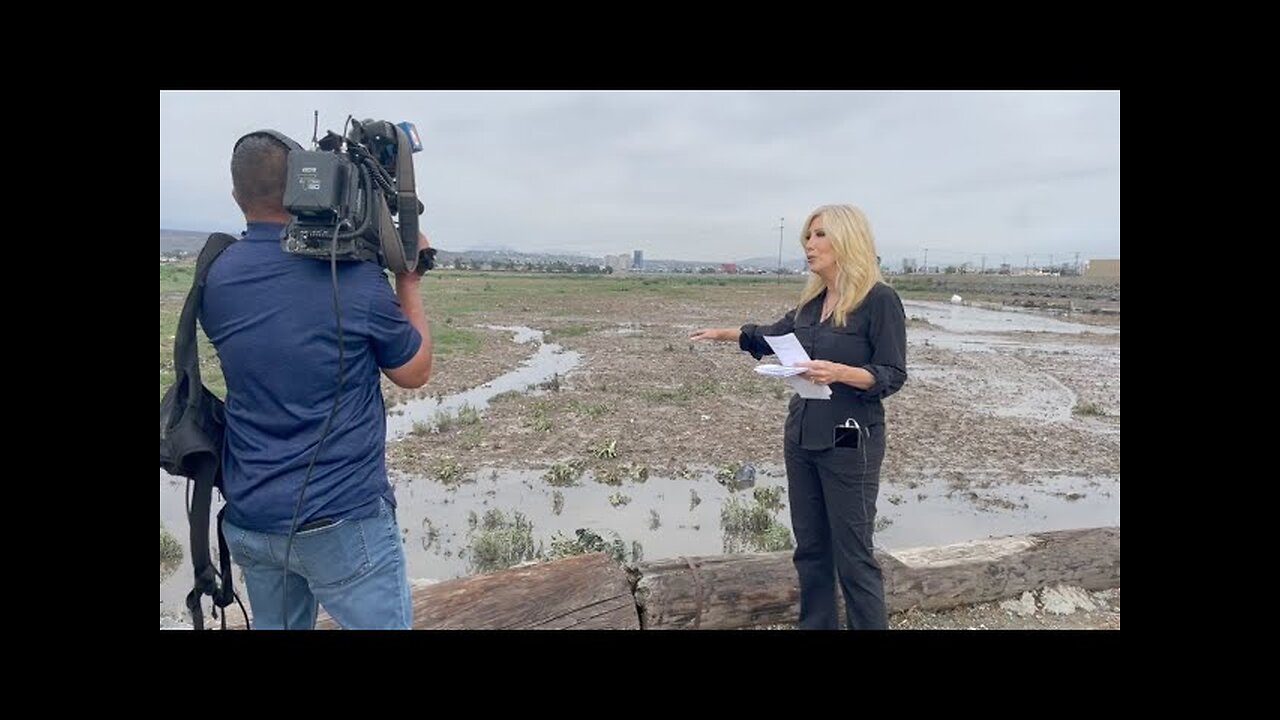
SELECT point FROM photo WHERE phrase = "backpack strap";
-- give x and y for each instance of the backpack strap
(185, 358)
(208, 469)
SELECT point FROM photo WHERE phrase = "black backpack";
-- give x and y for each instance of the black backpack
(192, 421)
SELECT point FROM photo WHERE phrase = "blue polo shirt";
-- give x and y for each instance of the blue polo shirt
(270, 315)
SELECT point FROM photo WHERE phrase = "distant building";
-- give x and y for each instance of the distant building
(730, 268)
(619, 263)
(637, 260)
(1103, 268)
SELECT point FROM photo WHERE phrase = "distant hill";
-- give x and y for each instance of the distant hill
(181, 242)
(770, 263)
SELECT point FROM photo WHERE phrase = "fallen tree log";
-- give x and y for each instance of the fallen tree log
(586, 592)
(738, 591)
(583, 592)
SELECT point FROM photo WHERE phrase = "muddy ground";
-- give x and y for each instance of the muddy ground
(973, 415)
(1008, 423)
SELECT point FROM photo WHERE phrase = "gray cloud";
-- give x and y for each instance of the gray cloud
(702, 175)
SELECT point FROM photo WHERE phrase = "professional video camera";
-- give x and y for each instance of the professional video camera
(344, 195)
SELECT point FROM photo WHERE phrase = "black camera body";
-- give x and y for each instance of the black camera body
(354, 198)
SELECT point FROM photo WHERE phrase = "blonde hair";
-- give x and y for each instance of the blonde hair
(857, 269)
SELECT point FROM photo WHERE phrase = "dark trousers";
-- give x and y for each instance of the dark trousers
(833, 510)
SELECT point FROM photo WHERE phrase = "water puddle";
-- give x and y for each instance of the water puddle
(670, 517)
(549, 360)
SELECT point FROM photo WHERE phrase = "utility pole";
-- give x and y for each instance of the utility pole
(781, 224)
(926, 261)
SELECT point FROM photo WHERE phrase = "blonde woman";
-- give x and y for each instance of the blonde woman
(853, 326)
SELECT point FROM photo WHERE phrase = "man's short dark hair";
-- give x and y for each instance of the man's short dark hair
(258, 167)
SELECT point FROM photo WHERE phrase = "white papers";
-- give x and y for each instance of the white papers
(808, 389)
(787, 348)
(778, 371)
(790, 351)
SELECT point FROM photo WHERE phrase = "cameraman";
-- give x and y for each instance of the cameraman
(271, 318)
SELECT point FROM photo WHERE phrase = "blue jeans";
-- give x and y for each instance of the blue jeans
(354, 568)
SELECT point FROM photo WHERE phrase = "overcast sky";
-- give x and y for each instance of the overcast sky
(703, 175)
